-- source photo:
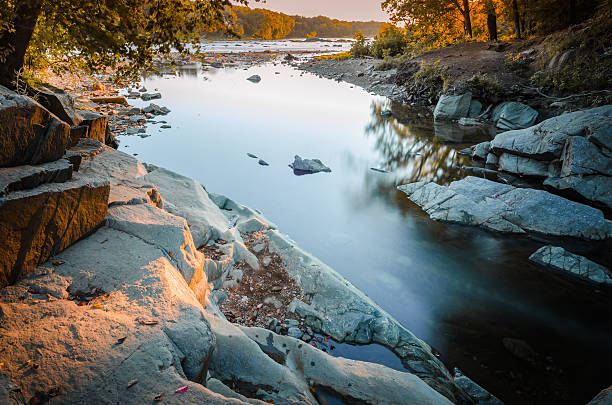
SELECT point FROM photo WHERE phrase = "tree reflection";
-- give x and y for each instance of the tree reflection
(409, 147)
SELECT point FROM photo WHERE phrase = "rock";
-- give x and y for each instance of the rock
(596, 189)
(603, 398)
(560, 259)
(273, 301)
(252, 156)
(263, 162)
(261, 359)
(78, 132)
(492, 159)
(308, 166)
(522, 165)
(155, 109)
(166, 126)
(30, 134)
(59, 103)
(138, 282)
(254, 79)
(479, 395)
(150, 96)
(100, 160)
(581, 157)
(295, 333)
(452, 107)
(97, 123)
(469, 122)
(110, 100)
(39, 223)
(475, 108)
(504, 208)
(386, 113)
(27, 177)
(291, 323)
(134, 192)
(521, 350)
(259, 246)
(10, 393)
(266, 261)
(272, 323)
(216, 65)
(546, 140)
(480, 150)
(512, 115)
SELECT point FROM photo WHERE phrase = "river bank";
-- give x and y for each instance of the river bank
(178, 122)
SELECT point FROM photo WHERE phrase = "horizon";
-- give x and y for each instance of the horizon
(346, 10)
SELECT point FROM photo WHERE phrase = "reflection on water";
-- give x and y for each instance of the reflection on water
(460, 289)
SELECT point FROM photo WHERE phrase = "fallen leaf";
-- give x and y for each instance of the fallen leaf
(82, 303)
(120, 340)
(58, 263)
(35, 301)
(132, 383)
(182, 389)
(147, 321)
(158, 397)
(97, 305)
(170, 254)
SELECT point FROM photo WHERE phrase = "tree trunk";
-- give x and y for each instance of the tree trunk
(27, 12)
(517, 19)
(467, 22)
(491, 20)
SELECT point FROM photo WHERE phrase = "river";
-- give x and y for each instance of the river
(460, 289)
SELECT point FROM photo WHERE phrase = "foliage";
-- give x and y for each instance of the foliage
(390, 62)
(485, 88)
(390, 41)
(518, 63)
(94, 34)
(266, 24)
(360, 46)
(433, 77)
(335, 56)
(584, 74)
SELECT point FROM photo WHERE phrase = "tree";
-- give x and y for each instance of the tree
(122, 34)
(491, 20)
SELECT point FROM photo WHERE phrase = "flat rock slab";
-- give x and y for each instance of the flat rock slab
(39, 223)
(27, 177)
(30, 134)
(501, 207)
(560, 259)
(97, 123)
(134, 192)
(512, 115)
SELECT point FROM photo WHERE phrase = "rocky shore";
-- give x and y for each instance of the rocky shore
(108, 297)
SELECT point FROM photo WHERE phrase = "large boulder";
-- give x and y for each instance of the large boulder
(30, 134)
(39, 223)
(58, 102)
(603, 398)
(453, 107)
(308, 166)
(522, 165)
(96, 123)
(546, 140)
(512, 115)
(560, 259)
(501, 207)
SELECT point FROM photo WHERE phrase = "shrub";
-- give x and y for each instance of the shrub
(360, 47)
(390, 41)
(485, 88)
(433, 77)
(389, 63)
(584, 74)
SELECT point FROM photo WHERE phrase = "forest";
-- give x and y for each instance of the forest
(265, 24)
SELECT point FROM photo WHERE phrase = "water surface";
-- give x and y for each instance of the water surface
(461, 289)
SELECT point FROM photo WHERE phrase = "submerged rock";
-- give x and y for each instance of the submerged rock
(504, 208)
(560, 259)
(263, 162)
(308, 166)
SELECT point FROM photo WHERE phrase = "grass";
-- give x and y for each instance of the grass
(335, 56)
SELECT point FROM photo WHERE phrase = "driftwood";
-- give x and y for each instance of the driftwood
(537, 90)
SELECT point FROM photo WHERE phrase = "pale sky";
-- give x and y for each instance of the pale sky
(351, 10)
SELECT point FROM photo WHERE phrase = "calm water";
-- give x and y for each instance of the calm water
(460, 289)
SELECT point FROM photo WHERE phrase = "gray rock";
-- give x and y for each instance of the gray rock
(475, 109)
(272, 323)
(581, 157)
(27, 177)
(469, 122)
(263, 162)
(492, 159)
(59, 103)
(386, 113)
(452, 107)
(480, 151)
(273, 301)
(500, 207)
(562, 260)
(308, 166)
(603, 398)
(522, 165)
(511, 115)
(252, 156)
(546, 140)
(97, 124)
(479, 395)
(254, 79)
(597, 189)
(150, 96)
(295, 333)
(30, 134)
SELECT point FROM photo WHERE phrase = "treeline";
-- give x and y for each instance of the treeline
(265, 24)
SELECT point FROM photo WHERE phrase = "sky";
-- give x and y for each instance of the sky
(351, 10)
